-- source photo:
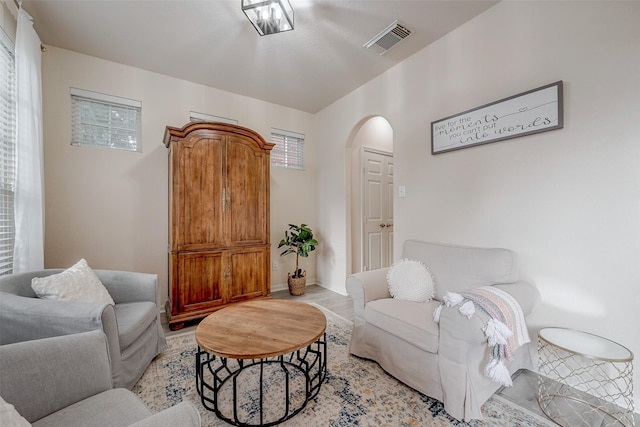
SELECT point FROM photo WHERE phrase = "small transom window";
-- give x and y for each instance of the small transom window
(100, 120)
(289, 149)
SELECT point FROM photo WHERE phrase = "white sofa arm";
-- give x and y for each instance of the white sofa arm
(455, 326)
(463, 353)
(362, 288)
(367, 286)
(527, 295)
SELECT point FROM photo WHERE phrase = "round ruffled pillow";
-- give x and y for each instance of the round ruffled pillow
(410, 280)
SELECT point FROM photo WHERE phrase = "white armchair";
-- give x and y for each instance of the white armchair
(444, 360)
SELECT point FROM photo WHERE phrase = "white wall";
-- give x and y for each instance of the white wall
(110, 206)
(568, 201)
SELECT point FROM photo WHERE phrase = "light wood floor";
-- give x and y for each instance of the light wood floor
(333, 301)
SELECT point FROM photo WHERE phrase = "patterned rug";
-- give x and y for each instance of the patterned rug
(356, 392)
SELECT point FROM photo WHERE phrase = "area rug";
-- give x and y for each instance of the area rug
(356, 392)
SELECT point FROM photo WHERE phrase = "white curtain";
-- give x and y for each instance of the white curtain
(28, 252)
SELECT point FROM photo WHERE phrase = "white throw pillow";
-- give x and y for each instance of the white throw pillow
(410, 280)
(9, 417)
(77, 283)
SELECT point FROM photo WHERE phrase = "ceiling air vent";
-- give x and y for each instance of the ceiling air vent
(387, 38)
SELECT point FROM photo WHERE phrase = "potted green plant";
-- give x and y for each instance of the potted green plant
(298, 239)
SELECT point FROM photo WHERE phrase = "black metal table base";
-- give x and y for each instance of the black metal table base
(215, 375)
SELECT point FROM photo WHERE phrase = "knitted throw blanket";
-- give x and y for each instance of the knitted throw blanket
(504, 322)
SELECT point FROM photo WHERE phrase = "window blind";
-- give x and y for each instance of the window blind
(106, 121)
(7, 152)
(289, 149)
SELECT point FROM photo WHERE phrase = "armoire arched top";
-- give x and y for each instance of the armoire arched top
(204, 127)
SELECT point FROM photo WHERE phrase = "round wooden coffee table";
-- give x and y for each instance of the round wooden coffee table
(261, 343)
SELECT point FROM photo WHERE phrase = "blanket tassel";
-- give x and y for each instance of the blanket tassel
(497, 332)
(452, 299)
(467, 309)
(498, 372)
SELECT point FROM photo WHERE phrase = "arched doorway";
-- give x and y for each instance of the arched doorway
(371, 201)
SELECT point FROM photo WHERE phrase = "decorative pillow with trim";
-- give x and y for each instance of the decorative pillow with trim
(411, 280)
(77, 283)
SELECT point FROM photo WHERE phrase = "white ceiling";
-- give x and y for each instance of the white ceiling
(212, 43)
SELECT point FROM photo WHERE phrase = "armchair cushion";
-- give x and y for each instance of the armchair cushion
(182, 414)
(133, 319)
(408, 320)
(111, 408)
(77, 283)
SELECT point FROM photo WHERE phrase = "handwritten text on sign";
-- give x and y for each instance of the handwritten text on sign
(537, 110)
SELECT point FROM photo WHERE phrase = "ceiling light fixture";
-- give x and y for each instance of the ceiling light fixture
(269, 16)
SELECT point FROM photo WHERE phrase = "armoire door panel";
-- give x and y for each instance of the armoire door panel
(201, 280)
(200, 191)
(248, 273)
(246, 187)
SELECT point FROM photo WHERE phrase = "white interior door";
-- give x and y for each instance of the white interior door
(377, 208)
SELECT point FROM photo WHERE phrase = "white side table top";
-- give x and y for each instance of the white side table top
(586, 344)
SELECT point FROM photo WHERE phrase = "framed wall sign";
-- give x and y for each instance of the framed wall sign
(534, 111)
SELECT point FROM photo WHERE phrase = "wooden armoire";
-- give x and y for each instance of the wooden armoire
(219, 249)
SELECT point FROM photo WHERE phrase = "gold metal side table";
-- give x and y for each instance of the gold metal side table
(585, 379)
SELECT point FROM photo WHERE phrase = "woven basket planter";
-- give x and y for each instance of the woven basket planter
(297, 284)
